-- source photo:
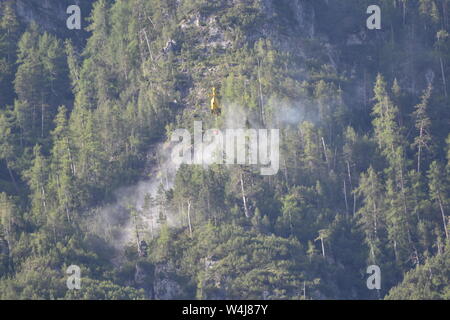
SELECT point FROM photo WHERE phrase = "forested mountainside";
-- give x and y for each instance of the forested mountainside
(86, 118)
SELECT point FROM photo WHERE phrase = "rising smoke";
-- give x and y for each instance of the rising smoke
(114, 223)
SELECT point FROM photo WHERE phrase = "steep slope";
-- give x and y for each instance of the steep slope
(363, 118)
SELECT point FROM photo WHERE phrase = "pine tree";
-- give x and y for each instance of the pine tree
(423, 123)
(311, 151)
(387, 131)
(439, 190)
(61, 179)
(390, 139)
(399, 225)
(41, 63)
(10, 220)
(9, 33)
(372, 213)
(7, 147)
(9, 24)
(37, 180)
(442, 47)
(89, 164)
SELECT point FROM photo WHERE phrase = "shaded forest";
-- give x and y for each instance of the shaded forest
(364, 179)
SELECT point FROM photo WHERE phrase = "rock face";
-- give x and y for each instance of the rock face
(165, 286)
(300, 17)
(287, 23)
(45, 13)
(51, 16)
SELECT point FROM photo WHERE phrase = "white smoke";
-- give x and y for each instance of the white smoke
(113, 222)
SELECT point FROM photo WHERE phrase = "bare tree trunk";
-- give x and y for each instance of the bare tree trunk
(323, 246)
(148, 43)
(326, 154)
(439, 247)
(351, 187)
(395, 250)
(345, 198)
(444, 220)
(444, 80)
(304, 290)
(244, 199)
(189, 218)
(68, 214)
(261, 94)
(418, 158)
(72, 164)
(42, 120)
(44, 201)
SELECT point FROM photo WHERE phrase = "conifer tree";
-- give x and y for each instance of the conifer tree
(439, 192)
(37, 180)
(372, 213)
(61, 178)
(423, 123)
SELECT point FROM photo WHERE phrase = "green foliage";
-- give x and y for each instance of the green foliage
(361, 180)
(427, 282)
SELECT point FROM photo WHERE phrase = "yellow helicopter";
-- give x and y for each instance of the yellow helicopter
(215, 107)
